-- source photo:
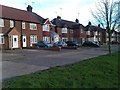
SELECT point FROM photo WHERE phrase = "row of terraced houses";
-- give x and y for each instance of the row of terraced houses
(20, 29)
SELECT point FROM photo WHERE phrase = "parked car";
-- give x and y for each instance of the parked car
(43, 44)
(72, 43)
(60, 43)
(90, 44)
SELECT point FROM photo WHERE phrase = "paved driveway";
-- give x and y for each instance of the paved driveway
(20, 62)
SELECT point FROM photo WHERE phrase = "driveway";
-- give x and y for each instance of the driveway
(20, 62)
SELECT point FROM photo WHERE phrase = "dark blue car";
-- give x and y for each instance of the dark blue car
(72, 43)
(90, 44)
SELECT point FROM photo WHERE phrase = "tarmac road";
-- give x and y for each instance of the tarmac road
(25, 61)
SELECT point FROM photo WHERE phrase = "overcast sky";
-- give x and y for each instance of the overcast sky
(67, 9)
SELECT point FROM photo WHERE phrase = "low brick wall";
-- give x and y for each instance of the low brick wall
(54, 48)
(51, 48)
(69, 47)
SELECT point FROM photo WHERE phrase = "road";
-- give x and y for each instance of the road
(25, 61)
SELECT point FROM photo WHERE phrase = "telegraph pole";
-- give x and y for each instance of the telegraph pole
(61, 12)
(78, 15)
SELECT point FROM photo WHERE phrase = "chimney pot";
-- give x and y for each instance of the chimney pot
(58, 17)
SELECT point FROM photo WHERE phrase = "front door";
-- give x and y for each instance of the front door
(24, 41)
(15, 41)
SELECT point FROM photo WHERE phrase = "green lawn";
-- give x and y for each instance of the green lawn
(100, 72)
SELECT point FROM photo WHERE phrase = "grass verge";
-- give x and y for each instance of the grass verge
(99, 72)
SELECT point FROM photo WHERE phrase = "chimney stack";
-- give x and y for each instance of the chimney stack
(77, 21)
(98, 25)
(89, 23)
(29, 8)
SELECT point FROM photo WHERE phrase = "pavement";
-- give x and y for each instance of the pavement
(25, 61)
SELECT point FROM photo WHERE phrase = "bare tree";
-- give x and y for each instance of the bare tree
(107, 15)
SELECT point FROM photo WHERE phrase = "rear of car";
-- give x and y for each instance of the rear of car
(90, 44)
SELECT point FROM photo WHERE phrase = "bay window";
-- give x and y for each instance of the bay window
(33, 39)
(46, 38)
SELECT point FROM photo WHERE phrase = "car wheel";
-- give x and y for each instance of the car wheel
(46, 47)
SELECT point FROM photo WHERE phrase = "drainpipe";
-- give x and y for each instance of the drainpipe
(21, 44)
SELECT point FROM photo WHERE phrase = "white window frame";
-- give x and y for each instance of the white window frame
(64, 39)
(33, 26)
(113, 34)
(11, 23)
(71, 31)
(96, 33)
(107, 34)
(64, 30)
(46, 27)
(81, 30)
(88, 32)
(33, 39)
(46, 38)
(2, 38)
(23, 25)
(2, 22)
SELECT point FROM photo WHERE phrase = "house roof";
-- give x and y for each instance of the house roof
(93, 28)
(57, 22)
(62, 23)
(41, 19)
(17, 14)
(7, 31)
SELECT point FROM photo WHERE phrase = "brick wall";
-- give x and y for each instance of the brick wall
(18, 30)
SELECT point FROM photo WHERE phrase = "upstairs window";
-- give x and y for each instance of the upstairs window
(11, 23)
(33, 26)
(46, 27)
(81, 30)
(23, 25)
(88, 32)
(1, 22)
(64, 30)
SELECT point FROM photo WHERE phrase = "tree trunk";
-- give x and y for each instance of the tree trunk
(109, 41)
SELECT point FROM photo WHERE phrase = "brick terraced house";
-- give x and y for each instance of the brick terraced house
(95, 33)
(20, 28)
(115, 37)
(68, 30)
